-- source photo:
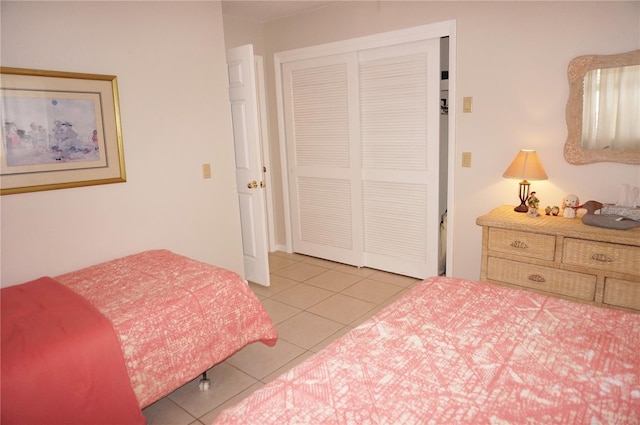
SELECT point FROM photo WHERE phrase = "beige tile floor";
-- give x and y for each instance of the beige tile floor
(311, 302)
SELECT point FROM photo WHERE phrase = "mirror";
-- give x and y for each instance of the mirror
(581, 146)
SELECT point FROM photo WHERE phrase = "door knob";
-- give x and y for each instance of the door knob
(252, 185)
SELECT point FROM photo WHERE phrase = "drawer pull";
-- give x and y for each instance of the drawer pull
(519, 244)
(603, 258)
(536, 278)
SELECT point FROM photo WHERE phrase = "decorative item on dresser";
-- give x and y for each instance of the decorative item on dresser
(609, 221)
(562, 258)
(570, 203)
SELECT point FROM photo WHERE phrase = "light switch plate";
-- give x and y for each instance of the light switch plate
(206, 171)
(467, 104)
(466, 159)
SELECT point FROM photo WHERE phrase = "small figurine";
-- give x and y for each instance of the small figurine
(555, 210)
(570, 203)
(547, 211)
(532, 203)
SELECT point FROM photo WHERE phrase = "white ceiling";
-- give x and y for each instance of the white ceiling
(269, 10)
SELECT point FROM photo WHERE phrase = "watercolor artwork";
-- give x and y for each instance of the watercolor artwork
(49, 130)
(59, 130)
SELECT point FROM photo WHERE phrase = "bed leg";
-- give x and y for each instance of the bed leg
(204, 382)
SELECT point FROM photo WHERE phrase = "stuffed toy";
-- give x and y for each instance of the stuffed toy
(570, 203)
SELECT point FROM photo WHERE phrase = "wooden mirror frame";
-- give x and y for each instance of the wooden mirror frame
(578, 67)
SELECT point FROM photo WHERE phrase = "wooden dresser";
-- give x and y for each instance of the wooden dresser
(561, 257)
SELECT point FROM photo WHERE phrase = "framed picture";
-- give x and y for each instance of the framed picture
(59, 130)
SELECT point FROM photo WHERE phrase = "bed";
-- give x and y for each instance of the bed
(169, 317)
(454, 351)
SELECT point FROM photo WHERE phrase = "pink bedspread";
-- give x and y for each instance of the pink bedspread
(175, 317)
(461, 352)
(61, 360)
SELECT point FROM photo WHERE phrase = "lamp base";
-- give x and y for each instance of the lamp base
(521, 208)
(524, 195)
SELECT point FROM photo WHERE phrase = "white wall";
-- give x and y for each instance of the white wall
(239, 31)
(512, 58)
(169, 61)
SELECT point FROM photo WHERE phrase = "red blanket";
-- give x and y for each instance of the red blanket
(61, 360)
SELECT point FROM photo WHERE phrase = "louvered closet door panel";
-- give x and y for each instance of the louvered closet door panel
(321, 116)
(393, 102)
(394, 219)
(321, 152)
(399, 128)
(325, 212)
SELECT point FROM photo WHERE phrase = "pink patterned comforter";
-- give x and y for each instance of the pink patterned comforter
(175, 317)
(461, 352)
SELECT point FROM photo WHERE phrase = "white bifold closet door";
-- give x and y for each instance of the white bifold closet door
(362, 133)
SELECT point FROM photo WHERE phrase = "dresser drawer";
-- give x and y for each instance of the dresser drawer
(547, 279)
(622, 293)
(531, 245)
(602, 256)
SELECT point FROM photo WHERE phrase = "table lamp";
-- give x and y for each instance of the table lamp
(525, 166)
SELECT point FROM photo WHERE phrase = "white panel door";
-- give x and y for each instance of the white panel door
(249, 167)
(400, 142)
(322, 157)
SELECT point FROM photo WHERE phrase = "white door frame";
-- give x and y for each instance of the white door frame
(436, 30)
(264, 146)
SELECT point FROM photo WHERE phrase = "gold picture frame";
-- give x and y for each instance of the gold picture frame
(59, 130)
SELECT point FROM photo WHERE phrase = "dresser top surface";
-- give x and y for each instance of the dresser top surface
(505, 217)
